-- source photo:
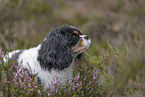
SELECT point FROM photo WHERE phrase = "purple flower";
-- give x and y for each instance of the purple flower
(85, 78)
(70, 81)
(77, 77)
(29, 84)
(31, 89)
(35, 86)
(73, 88)
(25, 79)
(48, 93)
(89, 82)
(21, 75)
(14, 79)
(91, 91)
(20, 81)
(79, 88)
(5, 80)
(2, 54)
(88, 88)
(26, 73)
(52, 88)
(17, 83)
(36, 79)
(39, 92)
(56, 80)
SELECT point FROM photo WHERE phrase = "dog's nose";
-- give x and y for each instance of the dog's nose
(86, 37)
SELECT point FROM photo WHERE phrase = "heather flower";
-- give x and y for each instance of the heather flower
(85, 78)
(35, 86)
(85, 67)
(56, 80)
(74, 96)
(2, 54)
(25, 79)
(91, 91)
(28, 92)
(36, 78)
(79, 88)
(77, 77)
(21, 75)
(29, 84)
(26, 73)
(70, 81)
(73, 88)
(52, 88)
(89, 82)
(31, 89)
(39, 92)
(20, 81)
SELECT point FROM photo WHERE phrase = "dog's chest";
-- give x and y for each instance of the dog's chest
(54, 76)
(28, 59)
(47, 77)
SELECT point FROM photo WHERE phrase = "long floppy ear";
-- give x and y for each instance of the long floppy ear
(54, 53)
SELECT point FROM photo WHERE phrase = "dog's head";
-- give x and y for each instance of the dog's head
(61, 46)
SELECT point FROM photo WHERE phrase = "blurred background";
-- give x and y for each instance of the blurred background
(24, 24)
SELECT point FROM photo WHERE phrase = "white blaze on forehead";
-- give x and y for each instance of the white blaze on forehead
(86, 42)
(82, 36)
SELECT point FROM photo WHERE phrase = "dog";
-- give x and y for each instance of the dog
(54, 56)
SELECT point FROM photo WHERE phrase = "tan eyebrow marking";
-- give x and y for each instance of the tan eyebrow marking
(76, 32)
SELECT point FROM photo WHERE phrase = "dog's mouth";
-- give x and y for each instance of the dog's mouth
(82, 45)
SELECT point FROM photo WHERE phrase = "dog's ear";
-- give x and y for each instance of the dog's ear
(54, 52)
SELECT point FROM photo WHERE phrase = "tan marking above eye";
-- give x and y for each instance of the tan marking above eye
(76, 32)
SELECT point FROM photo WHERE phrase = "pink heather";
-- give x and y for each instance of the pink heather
(31, 89)
(39, 92)
(89, 82)
(48, 93)
(29, 84)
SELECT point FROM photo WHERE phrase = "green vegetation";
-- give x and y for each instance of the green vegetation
(114, 65)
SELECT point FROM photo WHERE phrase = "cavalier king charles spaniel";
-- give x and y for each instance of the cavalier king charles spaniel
(54, 56)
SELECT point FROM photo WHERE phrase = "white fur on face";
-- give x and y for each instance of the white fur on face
(86, 42)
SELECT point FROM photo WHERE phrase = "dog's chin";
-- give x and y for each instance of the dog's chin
(86, 46)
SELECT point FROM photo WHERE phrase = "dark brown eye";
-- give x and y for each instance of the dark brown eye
(74, 37)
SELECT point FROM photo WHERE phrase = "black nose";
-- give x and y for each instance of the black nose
(86, 37)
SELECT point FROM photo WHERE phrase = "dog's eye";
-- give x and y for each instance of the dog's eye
(74, 37)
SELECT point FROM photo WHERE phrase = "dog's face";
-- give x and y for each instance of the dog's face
(61, 46)
(74, 39)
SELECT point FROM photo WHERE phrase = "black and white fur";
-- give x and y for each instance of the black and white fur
(54, 56)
